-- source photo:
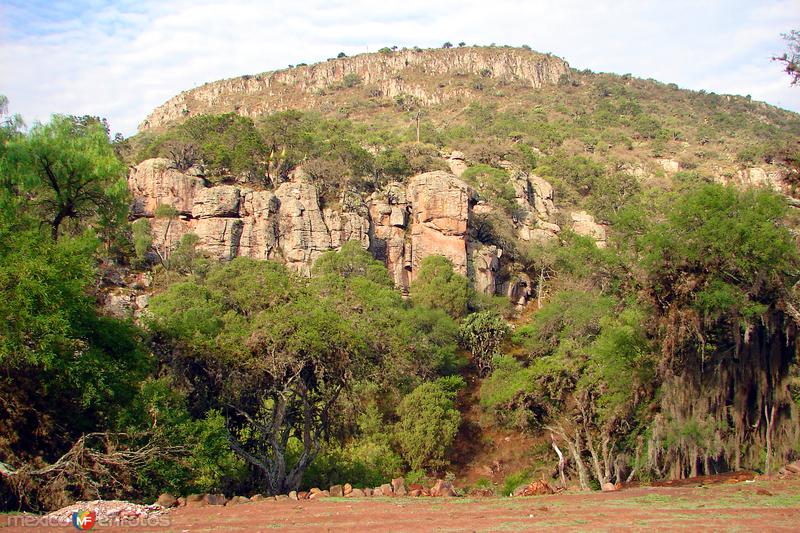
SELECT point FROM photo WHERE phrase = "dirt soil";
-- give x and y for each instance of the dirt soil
(737, 506)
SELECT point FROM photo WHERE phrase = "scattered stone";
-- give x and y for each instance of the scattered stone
(195, 500)
(337, 491)
(399, 487)
(215, 499)
(167, 500)
(443, 488)
(609, 487)
(113, 512)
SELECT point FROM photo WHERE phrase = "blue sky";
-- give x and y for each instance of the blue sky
(121, 59)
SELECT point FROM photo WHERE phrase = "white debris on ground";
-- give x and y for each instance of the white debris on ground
(108, 511)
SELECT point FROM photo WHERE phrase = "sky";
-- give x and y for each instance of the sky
(121, 59)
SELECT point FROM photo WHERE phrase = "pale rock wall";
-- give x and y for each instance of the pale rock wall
(400, 225)
(405, 72)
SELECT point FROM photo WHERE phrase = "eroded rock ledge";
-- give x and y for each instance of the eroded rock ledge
(432, 213)
(404, 72)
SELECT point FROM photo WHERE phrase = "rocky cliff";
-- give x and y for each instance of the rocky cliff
(391, 74)
(433, 213)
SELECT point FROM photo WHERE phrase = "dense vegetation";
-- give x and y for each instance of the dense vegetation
(670, 352)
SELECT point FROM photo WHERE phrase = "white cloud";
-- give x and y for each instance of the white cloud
(121, 60)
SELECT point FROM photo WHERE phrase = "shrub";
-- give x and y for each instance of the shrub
(429, 423)
(482, 334)
(438, 287)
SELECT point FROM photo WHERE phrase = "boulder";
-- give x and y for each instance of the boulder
(415, 493)
(302, 495)
(293, 495)
(181, 501)
(387, 490)
(193, 500)
(538, 488)
(367, 492)
(320, 494)
(443, 488)
(215, 499)
(609, 487)
(167, 500)
(355, 493)
(258, 498)
(457, 163)
(337, 491)
(670, 166)
(584, 224)
(377, 491)
(347, 489)
(237, 500)
(399, 486)
(281, 497)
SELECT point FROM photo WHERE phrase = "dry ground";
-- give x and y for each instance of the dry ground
(757, 506)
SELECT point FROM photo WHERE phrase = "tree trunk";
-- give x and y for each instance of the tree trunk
(560, 462)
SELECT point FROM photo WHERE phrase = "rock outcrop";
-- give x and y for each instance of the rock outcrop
(584, 224)
(402, 73)
(400, 224)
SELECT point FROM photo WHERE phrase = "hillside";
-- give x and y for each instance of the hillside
(466, 262)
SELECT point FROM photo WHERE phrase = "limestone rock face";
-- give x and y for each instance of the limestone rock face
(584, 224)
(220, 201)
(393, 74)
(485, 265)
(456, 163)
(303, 235)
(534, 197)
(388, 239)
(441, 206)
(259, 211)
(152, 182)
(400, 224)
(220, 237)
(670, 166)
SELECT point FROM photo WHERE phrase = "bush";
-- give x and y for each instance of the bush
(438, 287)
(482, 334)
(429, 423)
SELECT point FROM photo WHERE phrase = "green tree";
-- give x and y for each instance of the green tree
(429, 423)
(70, 170)
(437, 286)
(277, 362)
(482, 333)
